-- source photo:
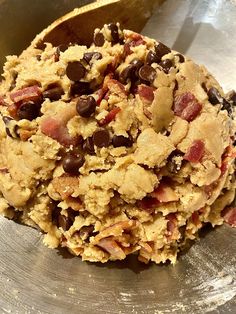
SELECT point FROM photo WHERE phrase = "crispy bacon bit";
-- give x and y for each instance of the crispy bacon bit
(2, 101)
(146, 93)
(111, 246)
(229, 215)
(101, 94)
(164, 193)
(12, 109)
(136, 40)
(109, 117)
(65, 185)
(145, 252)
(187, 107)
(195, 218)
(171, 225)
(115, 87)
(59, 132)
(31, 93)
(223, 167)
(148, 204)
(195, 151)
(208, 189)
(117, 229)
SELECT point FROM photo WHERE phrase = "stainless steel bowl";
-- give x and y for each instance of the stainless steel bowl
(34, 279)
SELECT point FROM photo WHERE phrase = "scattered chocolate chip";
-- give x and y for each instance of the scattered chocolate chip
(166, 65)
(71, 163)
(28, 110)
(147, 73)
(11, 132)
(88, 56)
(226, 106)
(162, 50)
(88, 146)
(79, 89)
(64, 222)
(101, 138)
(214, 96)
(75, 71)
(53, 93)
(137, 64)
(99, 39)
(232, 97)
(127, 73)
(152, 57)
(181, 58)
(40, 45)
(114, 32)
(120, 140)
(86, 106)
(85, 232)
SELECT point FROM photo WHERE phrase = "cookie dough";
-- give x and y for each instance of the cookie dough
(123, 147)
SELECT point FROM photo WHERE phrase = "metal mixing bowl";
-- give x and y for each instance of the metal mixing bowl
(35, 279)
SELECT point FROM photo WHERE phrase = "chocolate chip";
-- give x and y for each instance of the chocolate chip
(162, 50)
(99, 39)
(62, 47)
(127, 73)
(53, 93)
(101, 138)
(120, 140)
(152, 57)
(214, 96)
(137, 64)
(28, 110)
(88, 56)
(85, 232)
(88, 146)
(38, 57)
(80, 88)
(64, 222)
(147, 73)
(71, 163)
(75, 71)
(166, 65)
(226, 106)
(11, 132)
(114, 32)
(181, 58)
(86, 106)
(232, 97)
(40, 45)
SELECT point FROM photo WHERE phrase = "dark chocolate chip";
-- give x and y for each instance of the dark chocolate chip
(71, 163)
(166, 65)
(38, 57)
(114, 32)
(88, 56)
(64, 222)
(232, 97)
(54, 93)
(99, 39)
(161, 50)
(137, 64)
(75, 71)
(101, 138)
(9, 131)
(62, 47)
(28, 110)
(204, 87)
(86, 106)
(120, 140)
(40, 45)
(226, 106)
(214, 96)
(152, 57)
(181, 58)
(88, 146)
(85, 232)
(79, 89)
(147, 73)
(128, 73)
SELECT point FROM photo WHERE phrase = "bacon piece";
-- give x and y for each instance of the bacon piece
(195, 151)
(110, 245)
(148, 204)
(146, 93)
(195, 218)
(187, 107)
(136, 40)
(229, 215)
(59, 132)
(2, 101)
(171, 225)
(31, 93)
(164, 193)
(109, 117)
